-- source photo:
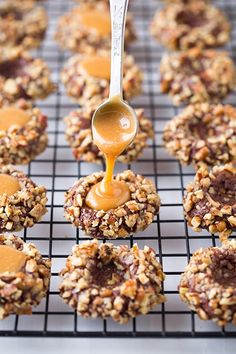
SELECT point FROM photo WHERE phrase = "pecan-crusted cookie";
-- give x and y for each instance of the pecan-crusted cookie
(133, 216)
(21, 144)
(82, 86)
(86, 29)
(108, 281)
(203, 133)
(25, 207)
(210, 202)
(22, 290)
(22, 76)
(181, 26)
(23, 25)
(79, 136)
(208, 285)
(197, 76)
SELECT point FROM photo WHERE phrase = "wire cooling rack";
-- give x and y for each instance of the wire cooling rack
(169, 235)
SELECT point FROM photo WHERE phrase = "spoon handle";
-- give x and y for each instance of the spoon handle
(118, 18)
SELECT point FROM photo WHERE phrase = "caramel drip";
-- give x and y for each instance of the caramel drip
(8, 185)
(11, 260)
(113, 131)
(11, 116)
(97, 66)
(95, 20)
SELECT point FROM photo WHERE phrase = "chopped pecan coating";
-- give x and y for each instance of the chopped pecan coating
(21, 145)
(21, 291)
(23, 24)
(203, 134)
(208, 285)
(24, 208)
(197, 76)
(181, 26)
(22, 76)
(108, 281)
(210, 202)
(133, 216)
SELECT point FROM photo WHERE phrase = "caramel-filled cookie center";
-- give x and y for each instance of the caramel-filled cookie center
(113, 130)
(97, 66)
(11, 260)
(95, 20)
(107, 196)
(11, 116)
(8, 185)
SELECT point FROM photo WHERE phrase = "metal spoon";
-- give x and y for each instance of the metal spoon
(118, 10)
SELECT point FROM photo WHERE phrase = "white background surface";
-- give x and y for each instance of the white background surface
(117, 346)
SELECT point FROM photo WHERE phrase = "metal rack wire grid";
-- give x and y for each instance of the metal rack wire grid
(169, 235)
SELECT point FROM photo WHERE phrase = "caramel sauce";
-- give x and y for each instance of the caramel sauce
(11, 260)
(95, 20)
(97, 66)
(113, 130)
(11, 116)
(8, 185)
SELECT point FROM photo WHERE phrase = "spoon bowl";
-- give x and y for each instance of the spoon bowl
(114, 125)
